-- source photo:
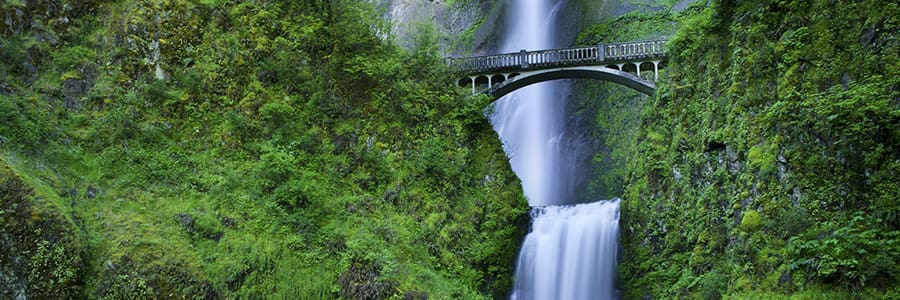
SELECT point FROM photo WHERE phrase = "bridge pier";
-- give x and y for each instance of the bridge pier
(655, 70)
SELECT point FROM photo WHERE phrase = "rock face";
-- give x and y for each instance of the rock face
(476, 27)
(464, 27)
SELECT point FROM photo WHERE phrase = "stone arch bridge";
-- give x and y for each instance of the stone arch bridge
(633, 64)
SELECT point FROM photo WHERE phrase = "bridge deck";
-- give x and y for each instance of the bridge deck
(578, 56)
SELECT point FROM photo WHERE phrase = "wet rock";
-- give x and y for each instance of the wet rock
(868, 36)
(215, 236)
(236, 280)
(845, 81)
(415, 295)
(92, 192)
(361, 281)
(228, 222)
(74, 88)
(186, 220)
(785, 279)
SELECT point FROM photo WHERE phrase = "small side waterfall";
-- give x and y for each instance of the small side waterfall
(571, 251)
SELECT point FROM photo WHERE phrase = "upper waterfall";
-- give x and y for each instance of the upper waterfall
(530, 122)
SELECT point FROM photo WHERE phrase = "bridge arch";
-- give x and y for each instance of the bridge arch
(591, 72)
(632, 64)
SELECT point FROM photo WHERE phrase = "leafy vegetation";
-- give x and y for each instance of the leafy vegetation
(216, 149)
(766, 164)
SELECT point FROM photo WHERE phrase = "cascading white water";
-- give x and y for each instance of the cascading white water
(571, 251)
(530, 121)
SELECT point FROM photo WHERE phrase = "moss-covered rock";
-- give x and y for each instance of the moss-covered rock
(128, 279)
(42, 253)
(780, 118)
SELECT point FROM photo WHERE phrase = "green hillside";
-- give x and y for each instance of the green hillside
(216, 149)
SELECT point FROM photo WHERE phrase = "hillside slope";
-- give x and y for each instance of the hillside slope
(213, 149)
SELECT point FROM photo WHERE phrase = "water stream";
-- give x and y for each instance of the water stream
(571, 251)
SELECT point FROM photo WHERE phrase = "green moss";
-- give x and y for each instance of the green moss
(751, 221)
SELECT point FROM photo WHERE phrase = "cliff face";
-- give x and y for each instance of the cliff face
(763, 166)
(767, 162)
(468, 27)
(475, 27)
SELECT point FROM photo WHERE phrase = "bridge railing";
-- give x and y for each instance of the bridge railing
(626, 51)
(525, 60)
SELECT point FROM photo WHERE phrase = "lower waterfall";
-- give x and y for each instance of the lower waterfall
(570, 253)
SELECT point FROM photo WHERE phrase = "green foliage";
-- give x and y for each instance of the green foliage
(852, 256)
(774, 129)
(629, 27)
(242, 149)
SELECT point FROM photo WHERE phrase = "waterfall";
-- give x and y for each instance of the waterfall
(530, 120)
(571, 251)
